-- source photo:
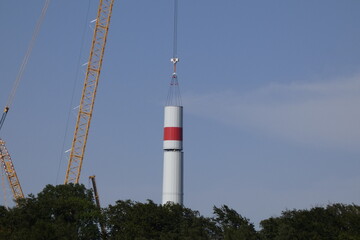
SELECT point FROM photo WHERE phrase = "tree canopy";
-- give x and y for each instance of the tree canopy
(337, 221)
(134, 220)
(58, 212)
(232, 225)
(68, 212)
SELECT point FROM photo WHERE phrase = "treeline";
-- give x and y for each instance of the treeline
(68, 212)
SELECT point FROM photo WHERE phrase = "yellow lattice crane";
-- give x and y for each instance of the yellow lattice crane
(5, 158)
(89, 92)
(10, 172)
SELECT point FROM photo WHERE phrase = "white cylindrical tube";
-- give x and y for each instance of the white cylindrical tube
(173, 121)
(173, 177)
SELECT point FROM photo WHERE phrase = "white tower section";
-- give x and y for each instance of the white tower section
(173, 135)
(173, 155)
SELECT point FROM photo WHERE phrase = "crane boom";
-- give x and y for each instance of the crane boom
(96, 194)
(97, 201)
(89, 92)
(10, 171)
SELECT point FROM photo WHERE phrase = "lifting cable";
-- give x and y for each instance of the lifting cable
(175, 29)
(174, 96)
(24, 62)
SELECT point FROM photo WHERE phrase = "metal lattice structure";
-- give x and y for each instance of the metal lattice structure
(89, 92)
(97, 201)
(10, 171)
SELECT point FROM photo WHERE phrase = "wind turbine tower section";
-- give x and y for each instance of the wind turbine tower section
(173, 156)
(173, 180)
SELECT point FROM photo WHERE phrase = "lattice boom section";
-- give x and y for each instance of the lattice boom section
(89, 91)
(10, 172)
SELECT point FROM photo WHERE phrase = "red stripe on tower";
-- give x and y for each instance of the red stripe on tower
(173, 133)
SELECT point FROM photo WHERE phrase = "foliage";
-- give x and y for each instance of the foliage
(68, 212)
(58, 212)
(337, 221)
(232, 225)
(5, 228)
(134, 220)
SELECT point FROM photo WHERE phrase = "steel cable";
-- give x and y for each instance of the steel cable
(28, 53)
(25, 61)
(174, 96)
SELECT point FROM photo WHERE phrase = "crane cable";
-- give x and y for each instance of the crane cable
(174, 96)
(24, 62)
(175, 30)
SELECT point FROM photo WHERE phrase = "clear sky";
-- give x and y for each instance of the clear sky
(271, 93)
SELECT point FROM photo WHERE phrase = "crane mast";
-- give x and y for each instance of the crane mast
(97, 201)
(96, 194)
(10, 171)
(89, 92)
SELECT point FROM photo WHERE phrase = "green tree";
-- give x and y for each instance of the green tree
(129, 220)
(5, 229)
(58, 212)
(232, 225)
(334, 222)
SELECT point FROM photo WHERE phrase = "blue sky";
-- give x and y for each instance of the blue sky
(271, 93)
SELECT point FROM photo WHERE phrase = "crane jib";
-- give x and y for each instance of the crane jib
(89, 92)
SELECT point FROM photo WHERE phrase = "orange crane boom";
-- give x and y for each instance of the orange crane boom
(10, 171)
(89, 92)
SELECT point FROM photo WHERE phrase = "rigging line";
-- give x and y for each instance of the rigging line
(73, 91)
(174, 97)
(24, 62)
(175, 28)
(28, 53)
